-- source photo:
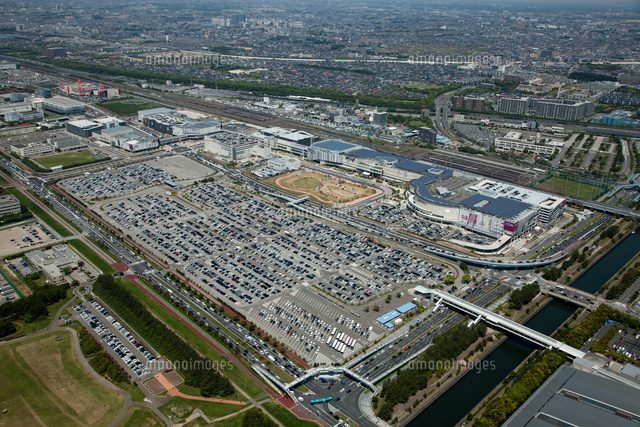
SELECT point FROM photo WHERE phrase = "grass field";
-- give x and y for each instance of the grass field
(178, 409)
(40, 213)
(44, 384)
(91, 256)
(285, 417)
(235, 421)
(137, 416)
(66, 160)
(128, 107)
(569, 187)
(234, 374)
(322, 187)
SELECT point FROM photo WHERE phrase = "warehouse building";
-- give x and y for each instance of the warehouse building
(62, 105)
(66, 142)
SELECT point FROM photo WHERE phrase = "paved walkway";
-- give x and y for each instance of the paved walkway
(172, 391)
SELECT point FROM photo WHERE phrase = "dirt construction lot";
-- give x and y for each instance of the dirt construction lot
(43, 383)
(326, 188)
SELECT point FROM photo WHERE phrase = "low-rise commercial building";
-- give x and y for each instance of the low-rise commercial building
(31, 148)
(516, 141)
(9, 205)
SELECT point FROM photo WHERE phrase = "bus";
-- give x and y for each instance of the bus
(333, 331)
(326, 399)
(350, 342)
(328, 340)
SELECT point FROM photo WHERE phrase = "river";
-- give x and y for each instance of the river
(451, 408)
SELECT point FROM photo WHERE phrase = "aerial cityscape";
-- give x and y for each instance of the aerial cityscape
(339, 214)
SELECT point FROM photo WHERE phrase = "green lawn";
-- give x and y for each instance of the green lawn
(137, 395)
(235, 421)
(285, 417)
(179, 409)
(569, 187)
(67, 160)
(40, 213)
(232, 372)
(128, 107)
(91, 256)
(137, 416)
(44, 384)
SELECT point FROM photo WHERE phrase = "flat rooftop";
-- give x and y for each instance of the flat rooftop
(335, 145)
(573, 397)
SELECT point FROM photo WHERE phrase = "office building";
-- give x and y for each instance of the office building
(9, 205)
(379, 119)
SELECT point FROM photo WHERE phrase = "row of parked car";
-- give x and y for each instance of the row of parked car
(112, 340)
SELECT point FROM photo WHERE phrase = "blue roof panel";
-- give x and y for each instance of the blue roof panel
(388, 317)
(335, 145)
(500, 206)
(406, 307)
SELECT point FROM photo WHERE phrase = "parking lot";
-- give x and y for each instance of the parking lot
(428, 229)
(383, 213)
(254, 255)
(16, 238)
(133, 178)
(123, 346)
(627, 343)
(314, 327)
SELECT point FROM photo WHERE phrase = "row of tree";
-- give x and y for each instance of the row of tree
(520, 297)
(446, 347)
(627, 280)
(531, 376)
(104, 365)
(198, 371)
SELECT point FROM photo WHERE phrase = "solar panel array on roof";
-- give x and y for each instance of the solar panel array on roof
(423, 192)
(500, 206)
(334, 145)
(424, 169)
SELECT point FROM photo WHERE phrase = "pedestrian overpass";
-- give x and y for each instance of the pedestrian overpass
(493, 319)
(314, 372)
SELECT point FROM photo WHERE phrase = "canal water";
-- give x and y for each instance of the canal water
(453, 406)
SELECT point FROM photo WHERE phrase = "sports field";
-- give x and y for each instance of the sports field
(570, 188)
(43, 383)
(325, 188)
(66, 160)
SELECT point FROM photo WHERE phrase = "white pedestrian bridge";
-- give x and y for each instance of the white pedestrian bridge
(493, 319)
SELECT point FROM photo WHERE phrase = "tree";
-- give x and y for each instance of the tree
(366, 308)
(399, 294)
(449, 279)
(464, 267)
(376, 308)
(466, 278)
(255, 418)
(388, 300)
